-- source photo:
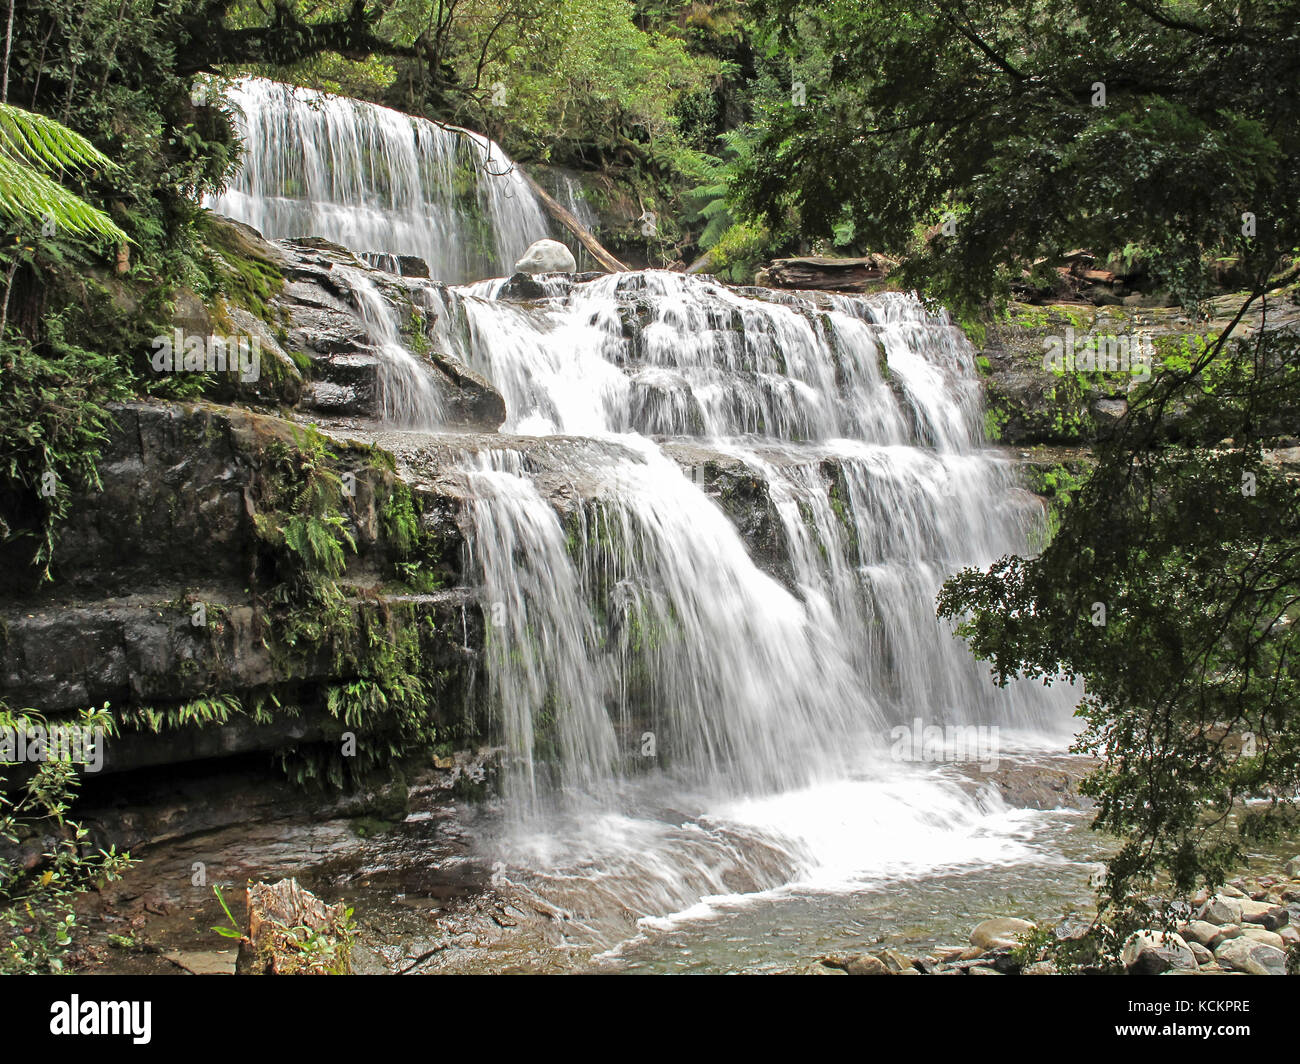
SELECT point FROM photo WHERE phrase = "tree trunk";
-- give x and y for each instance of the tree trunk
(293, 932)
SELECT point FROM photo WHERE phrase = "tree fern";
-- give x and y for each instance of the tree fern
(34, 150)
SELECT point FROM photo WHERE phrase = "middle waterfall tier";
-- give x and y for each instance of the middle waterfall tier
(715, 523)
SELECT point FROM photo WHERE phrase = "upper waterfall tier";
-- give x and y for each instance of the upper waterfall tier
(662, 353)
(377, 180)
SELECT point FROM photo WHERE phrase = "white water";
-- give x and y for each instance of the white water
(770, 702)
(408, 396)
(376, 180)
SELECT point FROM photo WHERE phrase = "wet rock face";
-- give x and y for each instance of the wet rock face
(324, 327)
(169, 588)
(1062, 374)
(473, 403)
(132, 653)
(402, 265)
(1029, 402)
(181, 484)
(742, 495)
(173, 505)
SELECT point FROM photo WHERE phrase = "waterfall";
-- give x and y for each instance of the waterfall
(376, 180)
(861, 418)
(708, 537)
(710, 595)
(408, 397)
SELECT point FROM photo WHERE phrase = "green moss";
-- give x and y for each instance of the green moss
(995, 420)
(1057, 483)
(382, 690)
(242, 273)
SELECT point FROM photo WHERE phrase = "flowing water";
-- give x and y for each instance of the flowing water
(376, 180)
(408, 396)
(713, 659)
(690, 731)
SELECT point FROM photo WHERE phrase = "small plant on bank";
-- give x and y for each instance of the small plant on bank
(37, 919)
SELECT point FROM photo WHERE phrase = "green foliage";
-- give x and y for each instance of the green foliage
(33, 149)
(709, 202)
(740, 251)
(1058, 484)
(113, 71)
(201, 712)
(1189, 543)
(232, 929)
(36, 911)
(401, 525)
(999, 128)
(302, 518)
(53, 420)
(298, 950)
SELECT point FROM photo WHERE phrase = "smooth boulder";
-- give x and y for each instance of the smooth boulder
(1263, 914)
(1153, 952)
(1259, 934)
(999, 933)
(1221, 910)
(866, 965)
(1202, 932)
(1253, 958)
(547, 256)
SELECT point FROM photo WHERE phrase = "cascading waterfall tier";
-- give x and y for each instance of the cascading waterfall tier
(710, 595)
(408, 397)
(640, 618)
(708, 537)
(376, 180)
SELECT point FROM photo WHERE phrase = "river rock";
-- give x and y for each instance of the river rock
(1201, 953)
(1202, 933)
(521, 288)
(210, 962)
(895, 962)
(1268, 916)
(1229, 890)
(1253, 958)
(547, 256)
(866, 965)
(1293, 868)
(999, 933)
(1258, 934)
(1153, 952)
(1221, 910)
(1002, 960)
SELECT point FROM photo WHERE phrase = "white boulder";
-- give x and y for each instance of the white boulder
(547, 256)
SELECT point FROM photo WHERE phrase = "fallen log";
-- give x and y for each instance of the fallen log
(824, 273)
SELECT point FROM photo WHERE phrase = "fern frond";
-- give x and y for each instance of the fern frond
(27, 195)
(45, 144)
